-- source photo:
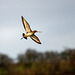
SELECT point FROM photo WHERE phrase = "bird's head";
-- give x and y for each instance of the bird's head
(37, 31)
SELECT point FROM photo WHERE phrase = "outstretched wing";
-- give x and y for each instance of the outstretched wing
(26, 25)
(35, 38)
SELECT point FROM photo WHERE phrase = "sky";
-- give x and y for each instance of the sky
(54, 18)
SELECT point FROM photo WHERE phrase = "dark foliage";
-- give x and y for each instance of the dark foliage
(38, 63)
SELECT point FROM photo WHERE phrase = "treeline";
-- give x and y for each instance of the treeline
(39, 63)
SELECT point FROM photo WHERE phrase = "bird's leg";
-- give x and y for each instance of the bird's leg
(21, 38)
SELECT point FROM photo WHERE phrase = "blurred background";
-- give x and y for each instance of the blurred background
(56, 20)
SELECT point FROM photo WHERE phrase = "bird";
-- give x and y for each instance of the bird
(29, 32)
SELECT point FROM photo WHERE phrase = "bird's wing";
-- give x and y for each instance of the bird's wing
(26, 25)
(35, 38)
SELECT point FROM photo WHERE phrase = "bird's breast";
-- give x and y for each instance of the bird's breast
(28, 34)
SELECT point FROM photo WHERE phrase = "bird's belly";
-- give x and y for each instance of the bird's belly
(28, 34)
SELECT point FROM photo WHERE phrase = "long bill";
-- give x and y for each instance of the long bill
(39, 31)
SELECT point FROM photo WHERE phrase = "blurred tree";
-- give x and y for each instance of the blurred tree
(28, 58)
(49, 56)
(47, 63)
(31, 55)
(66, 54)
(72, 56)
(72, 59)
(21, 59)
(5, 63)
(5, 60)
(65, 67)
(40, 57)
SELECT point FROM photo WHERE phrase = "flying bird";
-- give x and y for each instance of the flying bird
(29, 32)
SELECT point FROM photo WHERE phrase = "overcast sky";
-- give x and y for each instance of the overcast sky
(55, 18)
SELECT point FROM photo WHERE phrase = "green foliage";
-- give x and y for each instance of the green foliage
(3, 72)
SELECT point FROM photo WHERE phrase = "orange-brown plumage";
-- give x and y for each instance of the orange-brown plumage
(29, 32)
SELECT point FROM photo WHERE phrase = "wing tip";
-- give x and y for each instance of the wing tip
(39, 43)
(21, 16)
